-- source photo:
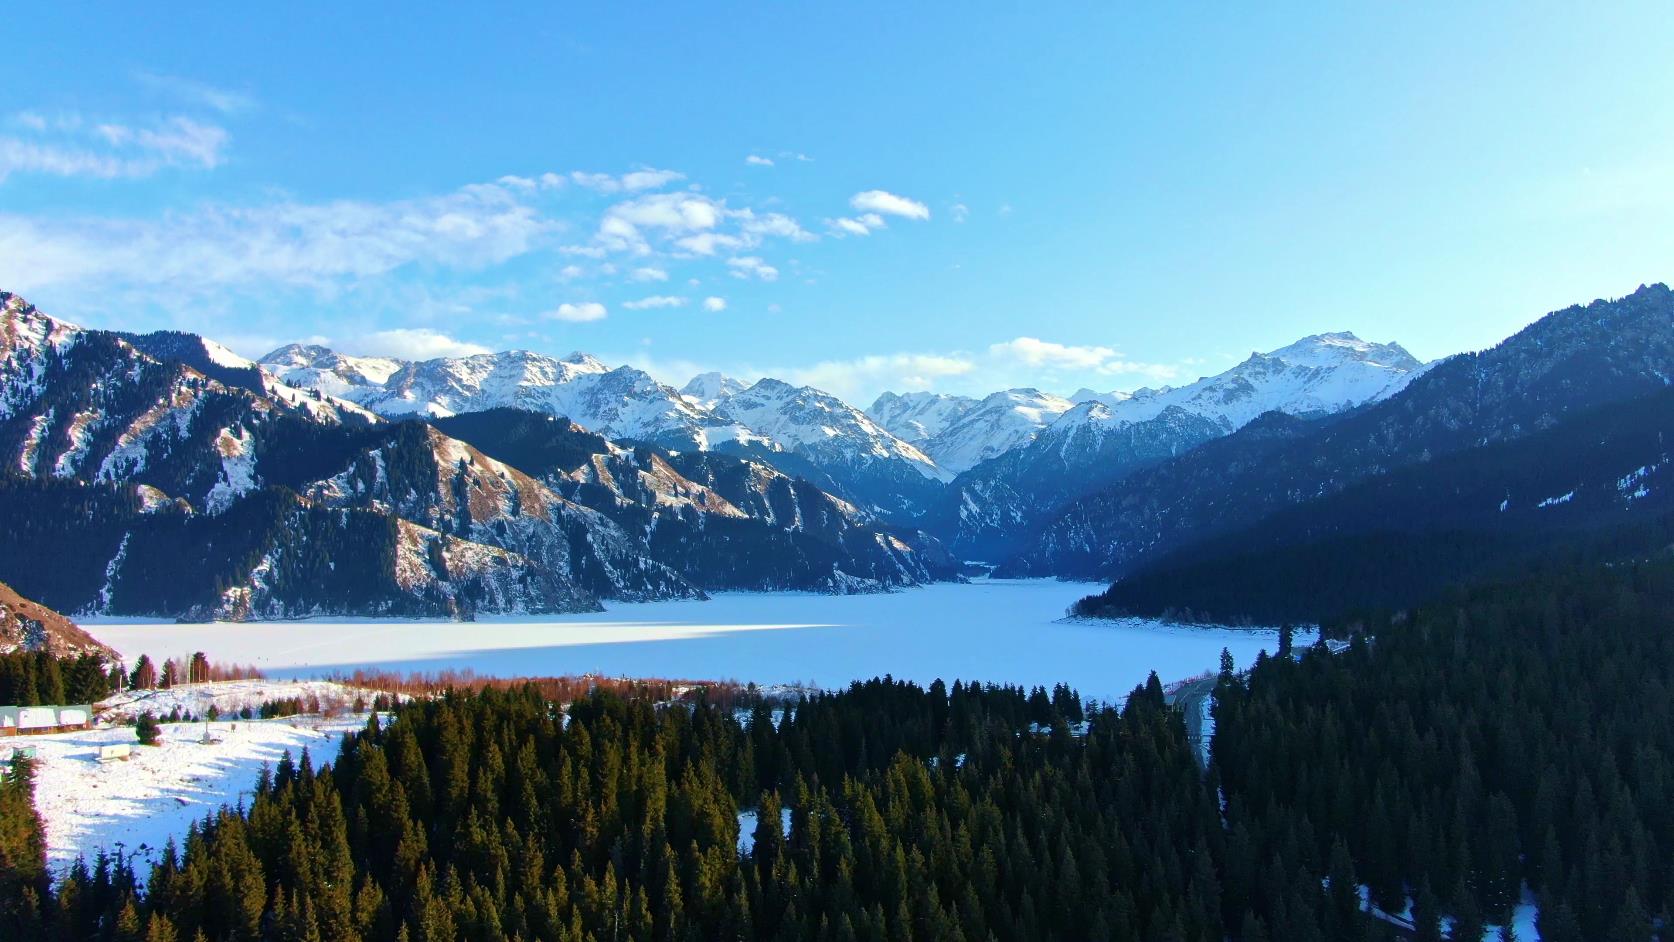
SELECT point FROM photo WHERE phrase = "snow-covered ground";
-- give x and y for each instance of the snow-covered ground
(747, 821)
(158, 792)
(998, 631)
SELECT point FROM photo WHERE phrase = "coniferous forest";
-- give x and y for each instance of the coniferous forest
(1508, 738)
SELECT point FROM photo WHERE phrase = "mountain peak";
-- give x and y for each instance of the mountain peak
(706, 389)
(1331, 349)
(586, 361)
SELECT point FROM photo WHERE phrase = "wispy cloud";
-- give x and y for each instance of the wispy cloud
(285, 243)
(69, 145)
(757, 160)
(412, 343)
(862, 225)
(655, 301)
(198, 93)
(691, 224)
(1047, 355)
(861, 378)
(746, 266)
(631, 182)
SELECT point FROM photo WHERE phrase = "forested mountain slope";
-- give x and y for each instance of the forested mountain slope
(1570, 361)
(992, 510)
(1596, 484)
(721, 521)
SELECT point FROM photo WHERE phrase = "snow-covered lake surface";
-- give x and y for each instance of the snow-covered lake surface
(995, 631)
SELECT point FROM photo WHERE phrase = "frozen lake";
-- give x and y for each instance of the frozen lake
(994, 631)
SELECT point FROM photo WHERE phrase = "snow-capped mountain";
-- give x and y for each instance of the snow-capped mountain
(310, 366)
(999, 423)
(160, 474)
(814, 434)
(707, 389)
(721, 521)
(1104, 437)
(917, 417)
(1321, 374)
(1606, 354)
(621, 403)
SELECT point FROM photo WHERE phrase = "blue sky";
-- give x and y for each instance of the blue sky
(860, 196)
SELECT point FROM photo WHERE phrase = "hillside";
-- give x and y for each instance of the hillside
(31, 626)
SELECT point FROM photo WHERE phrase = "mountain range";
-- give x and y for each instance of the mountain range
(199, 484)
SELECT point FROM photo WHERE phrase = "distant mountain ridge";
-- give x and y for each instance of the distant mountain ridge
(992, 509)
(1579, 358)
(140, 483)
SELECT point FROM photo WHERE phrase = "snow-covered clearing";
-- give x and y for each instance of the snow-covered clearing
(997, 631)
(747, 823)
(1525, 917)
(156, 794)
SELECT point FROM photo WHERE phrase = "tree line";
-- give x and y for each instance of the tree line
(1505, 737)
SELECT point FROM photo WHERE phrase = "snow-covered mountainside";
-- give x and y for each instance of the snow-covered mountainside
(721, 521)
(989, 508)
(815, 435)
(621, 403)
(706, 389)
(97, 406)
(999, 423)
(1321, 374)
(310, 366)
(143, 484)
(917, 417)
(1583, 357)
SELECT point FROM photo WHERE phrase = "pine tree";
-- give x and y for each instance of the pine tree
(24, 883)
(148, 729)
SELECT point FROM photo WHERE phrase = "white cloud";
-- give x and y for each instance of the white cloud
(288, 243)
(198, 93)
(413, 343)
(655, 301)
(960, 212)
(570, 272)
(577, 313)
(713, 303)
(709, 243)
(649, 274)
(649, 179)
(631, 182)
(1156, 371)
(1044, 353)
(844, 225)
(746, 265)
(865, 224)
(69, 146)
(889, 204)
(756, 160)
(860, 379)
(689, 223)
